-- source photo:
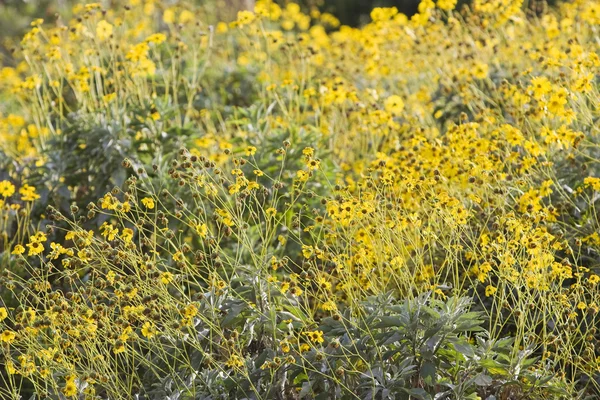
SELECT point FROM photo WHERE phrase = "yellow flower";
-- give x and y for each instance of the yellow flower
(250, 151)
(394, 105)
(308, 152)
(540, 85)
(315, 336)
(307, 251)
(186, 16)
(245, 17)
(3, 313)
(234, 361)
(202, 230)
(70, 389)
(8, 336)
(253, 185)
(28, 193)
(480, 71)
(35, 248)
(7, 189)
(103, 30)
(108, 202)
(110, 277)
(127, 235)
(18, 250)
(329, 306)
(108, 231)
(296, 291)
(84, 255)
(178, 256)
(593, 182)
(39, 237)
(446, 5)
(148, 330)
(313, 164)
(109, 97)
(304, 348)
(190, 311)
(323, 283)
(10, 368)
(148, 202)
(490, 290)
(166, 277)
(119, 347)
(169, 16)
(125, 335)
(156, 38)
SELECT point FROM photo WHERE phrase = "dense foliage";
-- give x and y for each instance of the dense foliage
(282, 207)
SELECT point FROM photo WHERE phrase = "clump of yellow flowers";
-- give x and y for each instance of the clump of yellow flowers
(278, 175)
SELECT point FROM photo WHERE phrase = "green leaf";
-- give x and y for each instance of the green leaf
(232, 315)
(418, 393)
(428, 373)
(494, 367)
(388, 322)
(465, 349)
(300, 378)
(483, 380)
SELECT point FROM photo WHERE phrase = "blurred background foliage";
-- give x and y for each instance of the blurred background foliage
(15, 15)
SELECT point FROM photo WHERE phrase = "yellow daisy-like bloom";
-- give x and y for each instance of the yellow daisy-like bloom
(127, 235)
(119, 347)
(329, 306)
(28, 193)
(108, 231)
(126, 207)
(235, 361)
(70, 389)
(8, 336)
(480, 71)
(10, 368)
(19, 249)
(148, 330)
(315, 336)
(35, 248)
(103, 30)
(304, 348)
(178, 256)
(109, 202)
(166, 277)
(3, 313)
(245, 18)
(490, 290)
(148, 202)
(394, 105)
(540, 86)
(202, 230)
(7, 189)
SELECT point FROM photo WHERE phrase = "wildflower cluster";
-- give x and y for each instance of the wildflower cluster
(283, 207)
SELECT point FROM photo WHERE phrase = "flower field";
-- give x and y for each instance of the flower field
(282, 207)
